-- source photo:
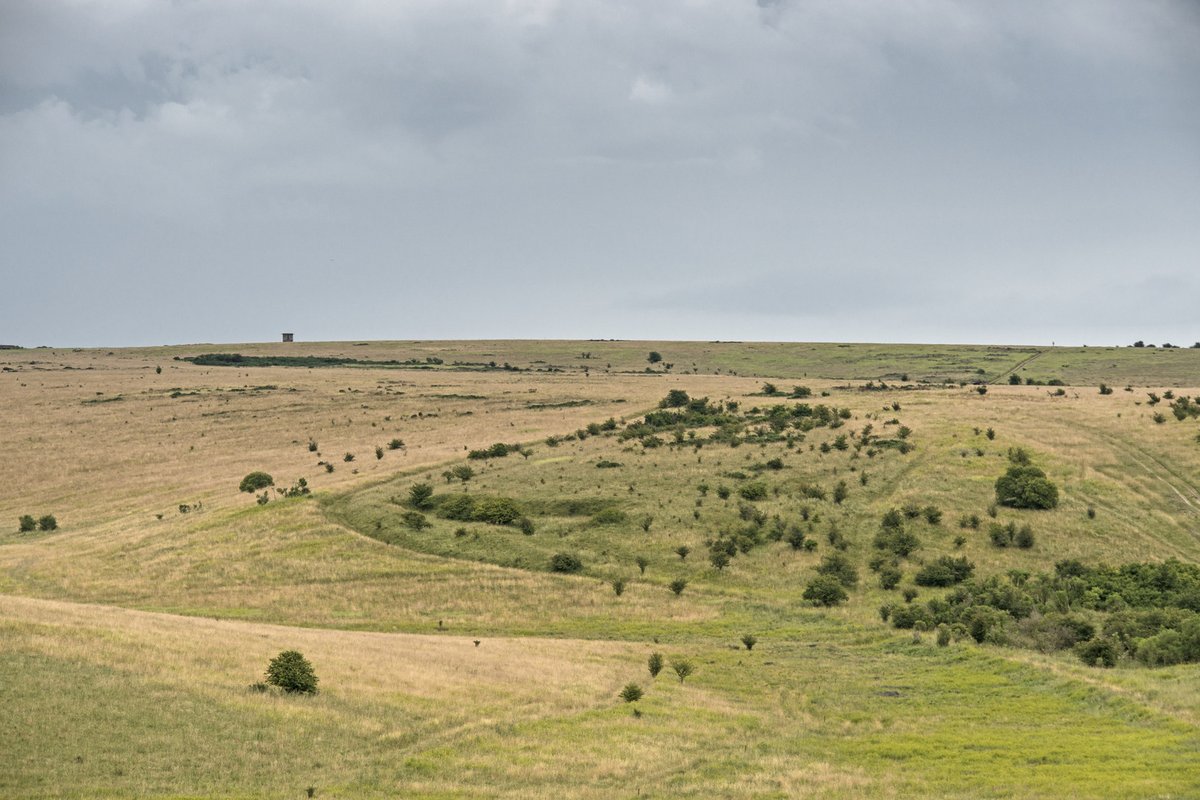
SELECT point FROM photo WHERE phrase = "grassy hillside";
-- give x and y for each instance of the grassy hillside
(131, 634)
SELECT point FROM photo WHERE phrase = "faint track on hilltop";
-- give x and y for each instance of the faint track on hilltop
(1018, 366)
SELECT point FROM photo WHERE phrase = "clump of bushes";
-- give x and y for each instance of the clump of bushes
(498, 450)
(837, 565)
(492, 510)
(297, 489)
(1146, 612)
(27, 524)
(255, 481)
(565, 562)
(944, 571)
(755, 490)
(893, 537)
(1010, 535)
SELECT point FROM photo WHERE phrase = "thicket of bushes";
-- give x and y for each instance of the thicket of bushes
(1148, 612)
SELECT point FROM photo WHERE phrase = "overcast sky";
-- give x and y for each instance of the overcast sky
(1014, 172)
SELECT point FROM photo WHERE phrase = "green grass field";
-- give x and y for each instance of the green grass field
(455, 663)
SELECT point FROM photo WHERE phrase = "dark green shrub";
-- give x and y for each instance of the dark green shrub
(897, 540)
(1099, 652)
(255, 481)
(348, 457)
(1171, 646)
(48, 523)
(1025, 486)
(753, 491)
(889, 577)
(677, 586)
(312, 447)
(838, 566)
(676, 398)
(749, 640)
(631, 693)
(27, 523)
(933, 515)
(459, 506)
(944, 571)
(719, 559)
(642, 562)
(654, 664)
(682, 551)
(1002, 535)
(795, 537)
(378, 453)
(825, 590)
(497, 510)
(943, 636)
(1024, 537)
(840, 492)
(414, 520)
(618, 586)
(395, 444)
(565, 562)
(526, 526)
(292, 673)
(420, 495)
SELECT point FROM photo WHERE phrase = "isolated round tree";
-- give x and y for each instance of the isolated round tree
(292, 672)
(255, 481)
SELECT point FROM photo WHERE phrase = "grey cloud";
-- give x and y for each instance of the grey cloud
(539, 168)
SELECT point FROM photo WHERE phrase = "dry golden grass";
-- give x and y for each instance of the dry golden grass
(76, 451)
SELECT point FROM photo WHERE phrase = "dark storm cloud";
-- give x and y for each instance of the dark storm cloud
(762, 169)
